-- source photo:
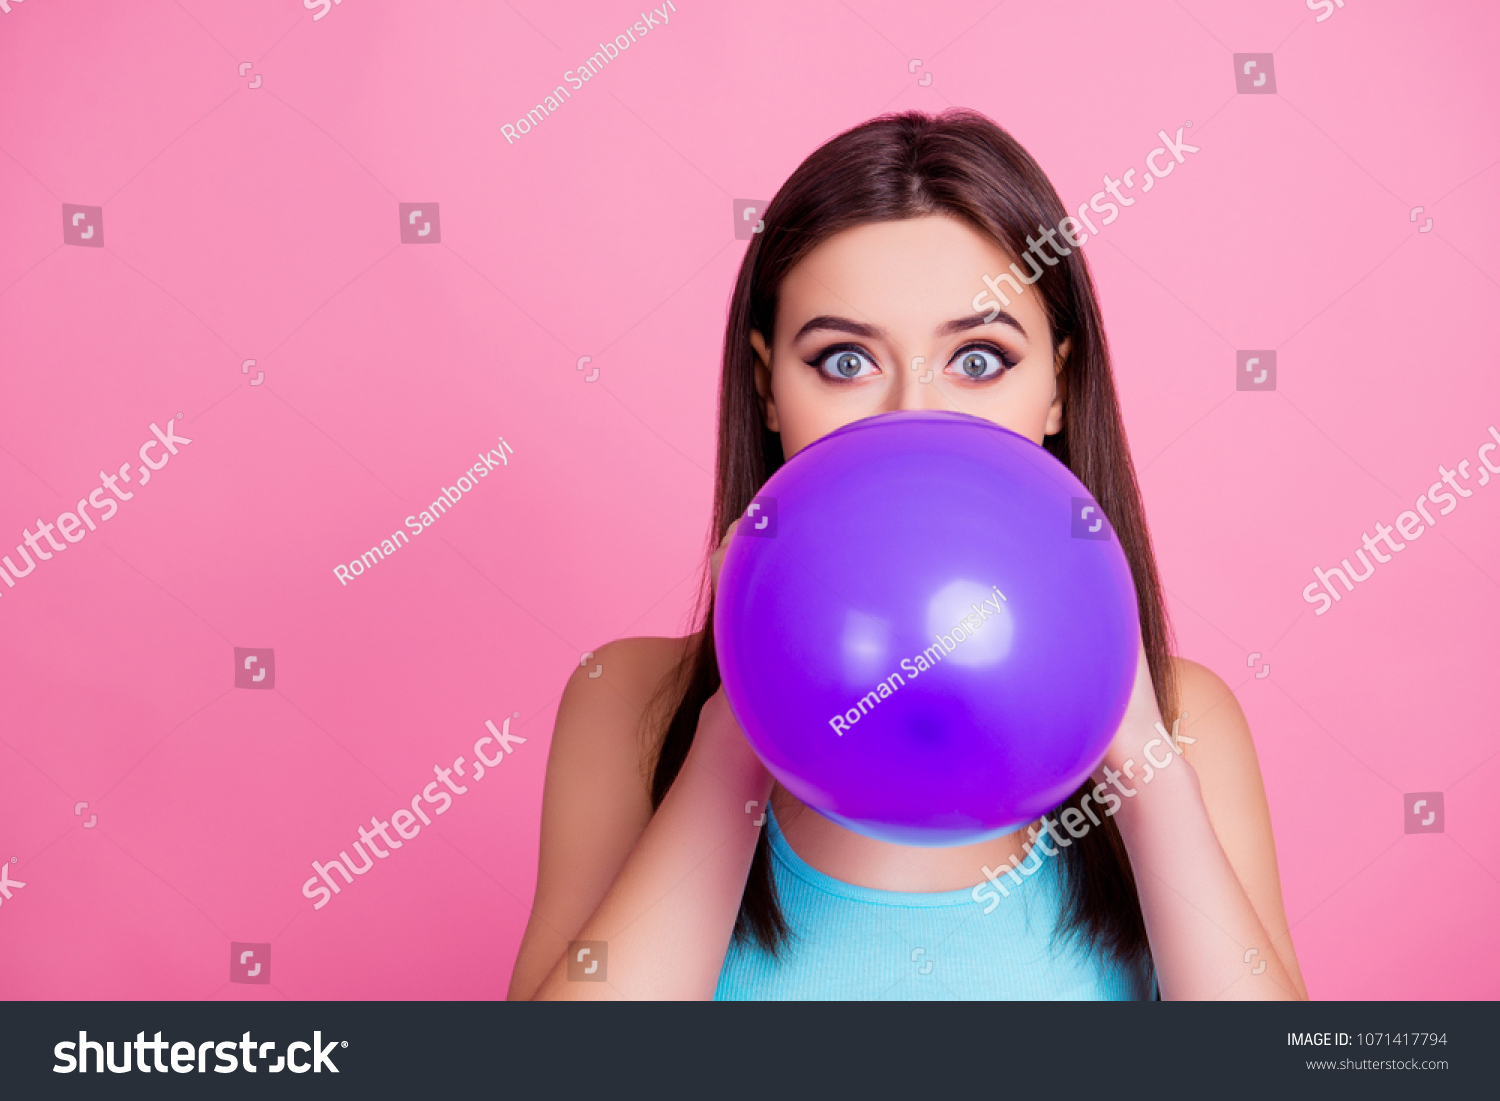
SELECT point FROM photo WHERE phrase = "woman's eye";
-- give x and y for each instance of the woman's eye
(980, 364)
(843, 363)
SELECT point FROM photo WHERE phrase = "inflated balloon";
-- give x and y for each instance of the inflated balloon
(926, 628)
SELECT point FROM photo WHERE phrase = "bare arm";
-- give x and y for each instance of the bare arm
(1206, 878)
(661, 890)
(668, 916)
(596, 800)
(1223, 755)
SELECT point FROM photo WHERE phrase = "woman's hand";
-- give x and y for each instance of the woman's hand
(717, 561)
(719, 732)
(667, 910)
(1140, 719)
(1202, 926)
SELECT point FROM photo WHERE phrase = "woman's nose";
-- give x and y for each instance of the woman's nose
(918, 386)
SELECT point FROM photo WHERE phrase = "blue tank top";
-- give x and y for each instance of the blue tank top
(858, 943)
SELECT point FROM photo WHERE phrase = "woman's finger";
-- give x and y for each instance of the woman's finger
(718, 556)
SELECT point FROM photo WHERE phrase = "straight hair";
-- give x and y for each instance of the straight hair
(909, 165)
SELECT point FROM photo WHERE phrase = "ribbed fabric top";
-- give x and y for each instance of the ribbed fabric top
(862, 944)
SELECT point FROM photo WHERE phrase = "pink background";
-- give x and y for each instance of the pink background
(261, 224)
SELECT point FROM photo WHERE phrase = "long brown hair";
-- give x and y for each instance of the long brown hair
(907, 165)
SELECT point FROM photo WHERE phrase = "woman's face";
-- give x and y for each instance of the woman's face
(881, 317)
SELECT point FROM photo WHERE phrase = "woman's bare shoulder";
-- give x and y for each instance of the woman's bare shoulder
(1219, 746)
(596, 801)
(1204, 695)
(642, 660)
(638, 668)
(628, 687)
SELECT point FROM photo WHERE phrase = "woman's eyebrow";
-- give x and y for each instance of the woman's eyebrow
(870, 332)
(974, 321)
(839, 325)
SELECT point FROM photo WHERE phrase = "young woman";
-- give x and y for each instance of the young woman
(665, 843)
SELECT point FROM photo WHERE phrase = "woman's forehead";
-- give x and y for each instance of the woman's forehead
(913, 272)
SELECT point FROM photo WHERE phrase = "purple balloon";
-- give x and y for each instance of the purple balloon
(927, 628)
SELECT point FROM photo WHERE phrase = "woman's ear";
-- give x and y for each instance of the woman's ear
(1060, 389)
(763, 381)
